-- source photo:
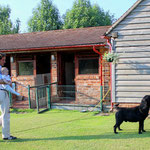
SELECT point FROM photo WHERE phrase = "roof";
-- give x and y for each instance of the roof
(124, 16)
(53, 38)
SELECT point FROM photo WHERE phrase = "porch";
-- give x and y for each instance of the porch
(77, 98)
(82, 78)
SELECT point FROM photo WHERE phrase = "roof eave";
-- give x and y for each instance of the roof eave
(51, 48)
(123, 16)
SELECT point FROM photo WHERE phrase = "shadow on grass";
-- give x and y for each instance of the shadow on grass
(54, 124)
(89, 137)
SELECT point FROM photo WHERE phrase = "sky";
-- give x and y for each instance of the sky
(22, 9)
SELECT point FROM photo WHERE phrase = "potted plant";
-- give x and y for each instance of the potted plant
(111, 57)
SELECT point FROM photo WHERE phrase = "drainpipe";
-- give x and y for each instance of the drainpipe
(101, 77)
(110, 49)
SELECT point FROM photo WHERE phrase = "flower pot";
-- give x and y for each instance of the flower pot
(109, 59)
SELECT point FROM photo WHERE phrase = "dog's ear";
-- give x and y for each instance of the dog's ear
(116, 106)
(143, 104)
(147, 99)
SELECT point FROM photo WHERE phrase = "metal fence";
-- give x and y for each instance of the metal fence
(76, 97)
(81, 98)
(22, 87)
(44, 95)
(52, 95)
(39, 97)
(42, 79)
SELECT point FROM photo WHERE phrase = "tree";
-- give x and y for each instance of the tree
(100, 17)
(6, 26)
(45, 17)
(83, 14)
(16, 28)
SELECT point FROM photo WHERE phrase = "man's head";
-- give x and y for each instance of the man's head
(4, 71)
(2, 59)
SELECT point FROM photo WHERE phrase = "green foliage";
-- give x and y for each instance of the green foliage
(45, 17)
(16, 28)
(6, 26)
(83, 14)
(111, 57)
(100, 17)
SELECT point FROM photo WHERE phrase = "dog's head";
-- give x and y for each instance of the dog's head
(145, 101)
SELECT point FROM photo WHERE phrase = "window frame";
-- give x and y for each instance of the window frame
(86, 58)
(24, 61)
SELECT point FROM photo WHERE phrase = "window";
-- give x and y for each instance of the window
(88, 66)
(25, 68)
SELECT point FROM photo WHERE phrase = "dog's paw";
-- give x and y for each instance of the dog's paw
(140, 132)
(143, 131)
(116, 132)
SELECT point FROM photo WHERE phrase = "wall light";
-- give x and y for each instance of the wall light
(12, 59)
(53, 57)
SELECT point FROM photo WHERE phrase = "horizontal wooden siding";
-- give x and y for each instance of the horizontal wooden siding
(132, 73)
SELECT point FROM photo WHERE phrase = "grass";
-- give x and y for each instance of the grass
(61, 130)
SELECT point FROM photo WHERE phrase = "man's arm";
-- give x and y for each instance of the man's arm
(2, 82)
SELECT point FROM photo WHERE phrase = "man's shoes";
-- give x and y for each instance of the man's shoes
(10, 138)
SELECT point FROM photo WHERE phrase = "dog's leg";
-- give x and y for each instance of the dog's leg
(143, 127)
(117, 125)
(119, 121)
(140, 126)
(119, 128)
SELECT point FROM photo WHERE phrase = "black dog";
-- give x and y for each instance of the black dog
(136, 114)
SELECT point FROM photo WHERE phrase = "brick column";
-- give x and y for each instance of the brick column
(54, 75)
(13, 66)
(54, 67)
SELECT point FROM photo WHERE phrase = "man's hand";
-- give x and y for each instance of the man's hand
(9, 83)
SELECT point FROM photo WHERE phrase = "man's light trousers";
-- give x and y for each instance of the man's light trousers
(5, 115)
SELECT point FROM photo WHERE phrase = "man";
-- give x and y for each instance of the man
(4, 105)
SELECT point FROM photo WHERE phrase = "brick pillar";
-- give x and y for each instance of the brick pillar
(54, 75)
(13, 66)
(54, 67)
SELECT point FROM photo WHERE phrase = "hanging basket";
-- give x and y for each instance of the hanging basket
(111, 57)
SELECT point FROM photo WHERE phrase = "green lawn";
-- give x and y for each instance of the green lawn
(53, 130)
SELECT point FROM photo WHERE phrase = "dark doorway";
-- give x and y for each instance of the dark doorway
(67, 73)
(42, 69)
(43, 63)
(68, 69)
